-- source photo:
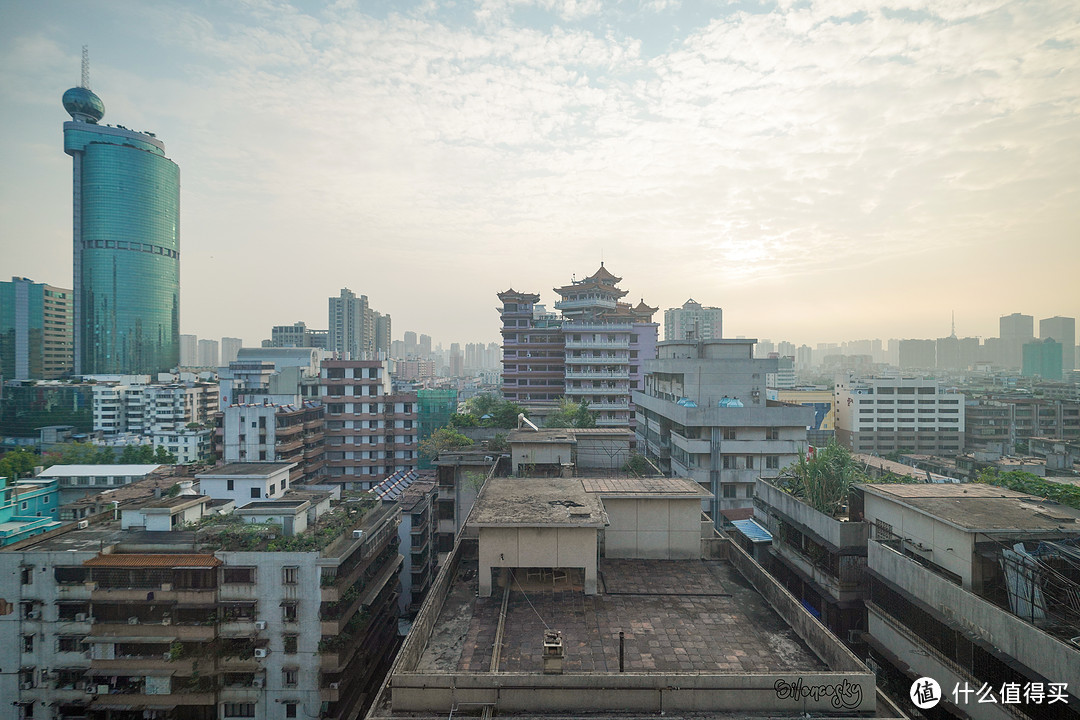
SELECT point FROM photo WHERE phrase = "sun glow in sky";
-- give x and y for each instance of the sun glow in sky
(822, 170)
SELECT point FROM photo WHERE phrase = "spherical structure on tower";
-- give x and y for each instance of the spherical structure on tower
(83, 105)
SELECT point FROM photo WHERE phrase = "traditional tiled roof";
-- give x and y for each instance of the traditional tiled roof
(603, 274)
(135, 560)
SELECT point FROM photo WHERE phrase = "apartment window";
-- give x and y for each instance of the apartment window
(25, 505)
(772, 433)
(729, 433)
(290, 710)
(727, 461)
(26, 574)
(230, 485)
(255, 492)
(288, 612)
(238, 575)
(273, 488)
(749, 462)
(290, 644)
(69, 643)
(239, 710)
(289, 575)
(290, 677)
(28, 643)
(729, 491)
(772, 462)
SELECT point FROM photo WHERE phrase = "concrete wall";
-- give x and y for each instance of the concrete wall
(599, 452)
(843, 535)
(542, 547)
(653, 528)
(637, 692)
(946, 546)
(1012, 636)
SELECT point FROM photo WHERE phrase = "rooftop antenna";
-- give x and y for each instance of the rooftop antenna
(85, 67)
(953, 324)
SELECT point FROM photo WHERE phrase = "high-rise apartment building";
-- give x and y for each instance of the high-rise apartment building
(370, 431)
(693, 322)
(382, 335)
(126, 242)
(352, 325)
(411, 344)
(424, 349)
(36, 331)
(230, 348)
(1063, 330)
(1042, 358)
(1015, 330)
(208, 353)
(918, 354)
(189, 350)
(593, 353)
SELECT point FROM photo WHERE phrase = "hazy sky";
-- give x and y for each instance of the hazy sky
(821, 170)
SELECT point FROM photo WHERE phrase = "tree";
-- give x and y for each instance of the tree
(823, 480)
(571, 415)
(637, 465)
(490, 411)
(79, 453)
(163, 456)
(443, 439)
(17, 463)
(464, 420)
(498, 443)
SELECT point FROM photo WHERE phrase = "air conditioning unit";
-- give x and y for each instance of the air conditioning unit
(166, 656)
(83, 524)
(133, 621)
(33, 615)
(257, 682)
(80, 617)
(166, 587)
(26, 686)
(261, 652)
(260, 624)
(166, 620)
(357, 534)
(91, 619)
(335, 685)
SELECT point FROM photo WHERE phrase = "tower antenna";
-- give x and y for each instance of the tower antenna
(85, 67)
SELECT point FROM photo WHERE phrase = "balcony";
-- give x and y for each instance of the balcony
(613, 422)
(612, 359)
(605, 405)
(606, 344)
(598, 390)
(575, 327)
(200, 596)
(586, 303)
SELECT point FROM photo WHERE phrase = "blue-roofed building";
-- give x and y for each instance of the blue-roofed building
(28, 507)
(753, 538)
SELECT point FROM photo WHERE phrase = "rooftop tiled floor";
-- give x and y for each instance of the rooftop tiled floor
(677, 616)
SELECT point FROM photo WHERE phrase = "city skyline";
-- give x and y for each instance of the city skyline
(785, 164)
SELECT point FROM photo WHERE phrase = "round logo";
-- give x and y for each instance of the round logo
(925, 693)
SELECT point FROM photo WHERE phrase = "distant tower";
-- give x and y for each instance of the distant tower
(126, 231)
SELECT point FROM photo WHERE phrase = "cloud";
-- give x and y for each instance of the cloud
(797, 141)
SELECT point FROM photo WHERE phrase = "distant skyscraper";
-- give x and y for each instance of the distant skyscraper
(352, 325)
(382, 334)
(1042, 358)
(230, 348)
(208, 353)
(693, 322)
(1062, 329)
(425, 346)
(127, 243)
(411, 346)
(189, 350)
(1015, 331)
(35, 330)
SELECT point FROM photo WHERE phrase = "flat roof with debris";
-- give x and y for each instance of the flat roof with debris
(977, 507)
(675, 616)
(632, 487)
(547, 502)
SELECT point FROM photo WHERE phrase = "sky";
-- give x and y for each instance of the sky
(822, 170)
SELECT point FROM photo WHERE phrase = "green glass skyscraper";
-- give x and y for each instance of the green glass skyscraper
(127, 243)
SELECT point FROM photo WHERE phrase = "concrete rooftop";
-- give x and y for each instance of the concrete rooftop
(677, 616)
(512, 502)
(977, 507)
